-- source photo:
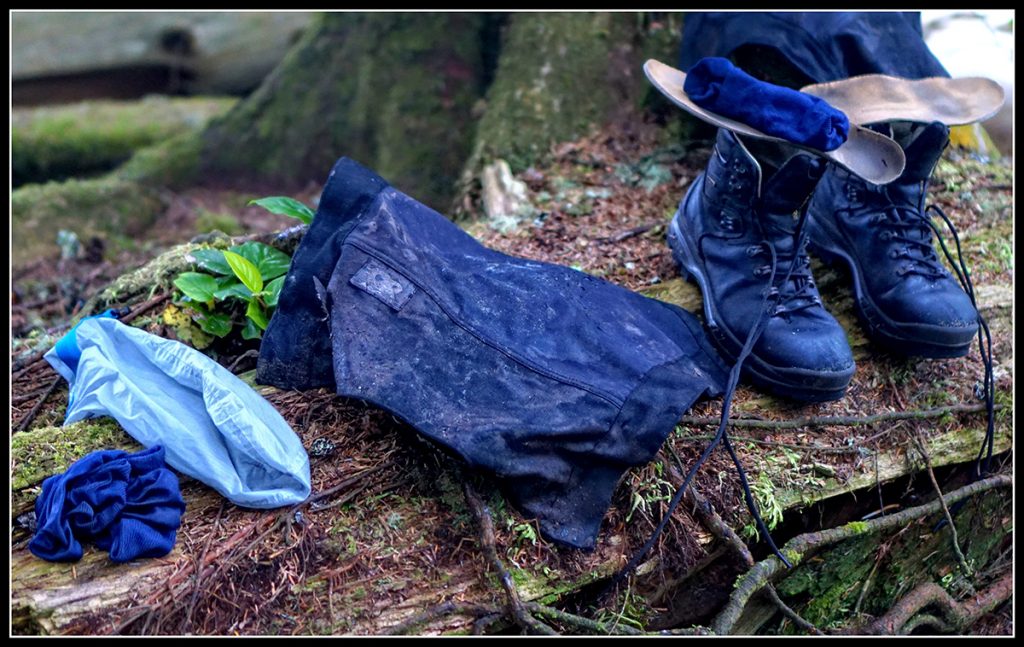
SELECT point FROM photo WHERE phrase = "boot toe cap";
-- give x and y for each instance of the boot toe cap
(811, 360)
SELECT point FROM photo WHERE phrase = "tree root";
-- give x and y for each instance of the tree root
(958, 615)
(714, 523)
(798, 548)
(515, 605)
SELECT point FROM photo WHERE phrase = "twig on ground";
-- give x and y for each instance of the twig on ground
(629, 233)
(143, 308)
(579, 622)
(799, 547)
(349, 482)
(31, 415)
(515, 604)
(968, 571)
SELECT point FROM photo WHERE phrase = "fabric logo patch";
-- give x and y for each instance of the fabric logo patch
(384, 283)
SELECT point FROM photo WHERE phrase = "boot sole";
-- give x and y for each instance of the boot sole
(880, 329)
(776, 380)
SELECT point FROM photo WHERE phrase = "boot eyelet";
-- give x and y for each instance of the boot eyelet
(753, 250)
(886, 235)
(893, 253)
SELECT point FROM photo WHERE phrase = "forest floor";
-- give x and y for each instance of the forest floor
(396, 536)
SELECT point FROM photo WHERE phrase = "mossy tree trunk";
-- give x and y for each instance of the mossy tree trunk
(394, 91)
(402, 93)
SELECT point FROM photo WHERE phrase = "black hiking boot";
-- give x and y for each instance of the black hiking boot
(734, 234)
(908, 301)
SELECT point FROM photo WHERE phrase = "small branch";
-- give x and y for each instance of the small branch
(21, 368)
(515, 604)
(31, 415)
(968, 571)
(246, 355)
(143, 308)
(630, 233)
(349, 482)
(799, 547)
(837, 421)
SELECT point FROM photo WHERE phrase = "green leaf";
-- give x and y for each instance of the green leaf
(246, 272)
(273, 291)
(212, 260)
(286, 207)
(256, 315)
(196, 286)
(270, 262)
(230, 287)
(251, 330)
(215, 323)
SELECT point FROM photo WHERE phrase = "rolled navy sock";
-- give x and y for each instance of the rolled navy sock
(718, 86)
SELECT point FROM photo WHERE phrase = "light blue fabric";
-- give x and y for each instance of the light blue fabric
(213, 427)
(67, 346)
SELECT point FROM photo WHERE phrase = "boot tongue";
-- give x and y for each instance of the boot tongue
(923, 145)
(782, 194)
(788, 188)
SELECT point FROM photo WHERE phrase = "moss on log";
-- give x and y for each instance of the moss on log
(40, 453)
(59, 142)
(870, 574)
(108, 207)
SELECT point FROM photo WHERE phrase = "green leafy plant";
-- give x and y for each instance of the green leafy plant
(251, 274)
(286, 207)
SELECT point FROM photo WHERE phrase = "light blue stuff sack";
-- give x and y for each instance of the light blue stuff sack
(213, 426)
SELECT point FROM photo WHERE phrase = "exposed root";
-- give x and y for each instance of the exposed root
(958, 615)
(515, 605)
(798, 548)
(711, 520)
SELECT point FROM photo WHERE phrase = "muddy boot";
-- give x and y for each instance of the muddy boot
(734, 234)
(908, 301)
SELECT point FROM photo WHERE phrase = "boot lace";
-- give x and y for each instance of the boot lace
(795, 292)
(898, 224)
(774, 299)
(983, 461)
